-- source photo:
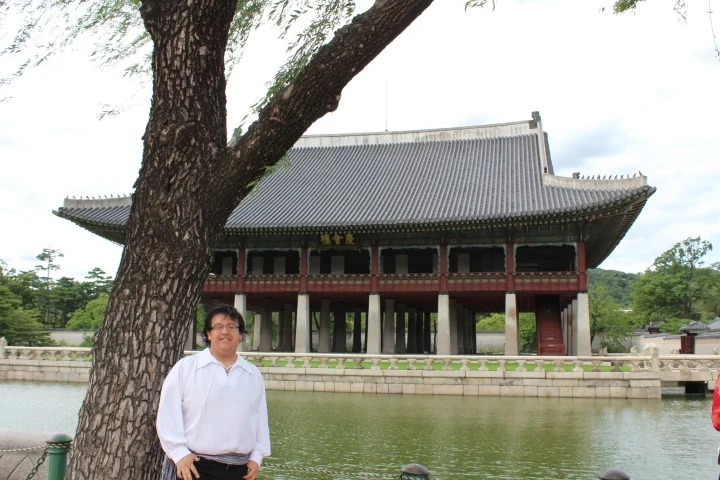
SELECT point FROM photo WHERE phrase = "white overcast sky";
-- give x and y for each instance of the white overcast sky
(617, 95)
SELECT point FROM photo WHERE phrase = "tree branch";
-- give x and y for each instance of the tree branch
(289, 114)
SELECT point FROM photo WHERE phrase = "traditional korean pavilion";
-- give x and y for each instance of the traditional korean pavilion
(415, 233)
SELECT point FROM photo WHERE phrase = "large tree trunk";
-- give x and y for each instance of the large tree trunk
(189, 183)
(174, 220)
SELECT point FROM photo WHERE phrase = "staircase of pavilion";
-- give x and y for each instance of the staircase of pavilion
(548, 326)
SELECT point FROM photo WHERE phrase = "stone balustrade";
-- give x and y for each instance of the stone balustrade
(626, 376)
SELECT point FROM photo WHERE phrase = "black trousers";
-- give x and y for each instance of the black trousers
(210, 470)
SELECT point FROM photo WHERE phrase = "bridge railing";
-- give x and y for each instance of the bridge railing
(610, 363)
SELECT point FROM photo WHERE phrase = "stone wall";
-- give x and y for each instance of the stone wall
(469, 383)
(406, 382)
(45, 370)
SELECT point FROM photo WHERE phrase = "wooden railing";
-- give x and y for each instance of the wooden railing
(390, 282)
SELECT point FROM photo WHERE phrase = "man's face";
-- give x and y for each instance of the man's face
(224, 335)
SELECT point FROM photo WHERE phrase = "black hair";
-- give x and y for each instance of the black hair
(227, 311)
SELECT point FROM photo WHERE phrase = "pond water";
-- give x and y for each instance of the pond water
(455, 437)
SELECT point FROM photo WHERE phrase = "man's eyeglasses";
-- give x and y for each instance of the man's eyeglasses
(222, 328)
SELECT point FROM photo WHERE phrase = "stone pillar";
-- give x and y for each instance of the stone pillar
(443, 325)
(357, 331)
(467, 338)
(454, 337)
(324, 340)
(512, 340)
(302, 324)
(473, 332)
(468, 332)
(374, 335)
(287, 338)
(256, 331)
(339, 330)
(574, 310)
(190, 339)
(280, 331)
(400, 328)
(388, 340)
(412, 331)
(427, 332)
(564, 329)
(265, 329)
(583, 323)
(240, 305)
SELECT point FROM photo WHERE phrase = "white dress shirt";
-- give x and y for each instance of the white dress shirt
(205, 410)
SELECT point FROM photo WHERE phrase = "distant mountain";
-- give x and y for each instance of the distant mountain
(618, 284)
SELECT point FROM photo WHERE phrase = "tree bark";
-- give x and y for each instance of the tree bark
(189, 183)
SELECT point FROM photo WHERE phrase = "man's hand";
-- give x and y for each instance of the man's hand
(186, 468)
(253, 470)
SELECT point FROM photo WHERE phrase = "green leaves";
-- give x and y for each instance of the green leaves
(678, 286)
(90, 316)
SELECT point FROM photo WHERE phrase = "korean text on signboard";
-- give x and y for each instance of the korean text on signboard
(337, 239)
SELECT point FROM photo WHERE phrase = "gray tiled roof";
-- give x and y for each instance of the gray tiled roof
(475, 175)
(440, 182)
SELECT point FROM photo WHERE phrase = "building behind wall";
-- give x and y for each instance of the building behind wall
(398, 240)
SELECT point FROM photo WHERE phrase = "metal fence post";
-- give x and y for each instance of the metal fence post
(58, 447)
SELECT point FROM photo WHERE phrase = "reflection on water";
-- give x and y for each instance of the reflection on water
(455, 437)
(42, 407)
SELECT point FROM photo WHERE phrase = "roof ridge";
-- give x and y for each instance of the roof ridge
(496, 130)
(595, 183)
(93, 202)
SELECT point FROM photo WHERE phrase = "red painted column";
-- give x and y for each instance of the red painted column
(374, 268)
(303, 269)
(240, 286)
(510, 266)
(581, 266)
(443, 268)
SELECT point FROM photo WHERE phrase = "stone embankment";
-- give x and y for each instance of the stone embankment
(633, 376)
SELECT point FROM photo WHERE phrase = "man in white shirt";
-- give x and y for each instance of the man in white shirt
(212, 418)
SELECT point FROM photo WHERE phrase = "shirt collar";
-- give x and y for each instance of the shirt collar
(206, 358)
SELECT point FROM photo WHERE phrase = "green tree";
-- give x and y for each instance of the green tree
(49, 265)
(26, 285)
(18, 325)
(97, 282)
(89, 317)
(494, 321)
(527, 332)
(675, 284)
(618, 284)
(711, 301)
(607, 317)
(66, 296)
